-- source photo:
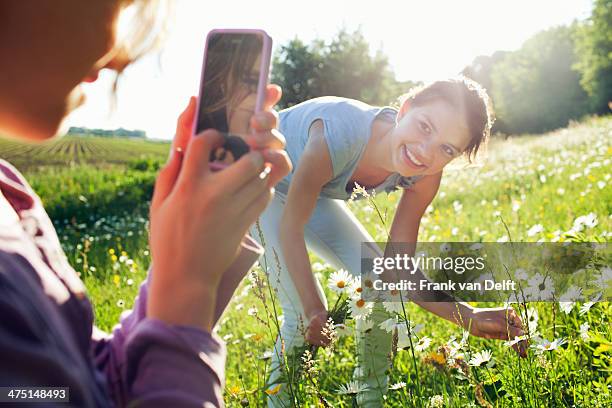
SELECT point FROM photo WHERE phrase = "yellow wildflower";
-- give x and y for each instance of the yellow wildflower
(274, 390)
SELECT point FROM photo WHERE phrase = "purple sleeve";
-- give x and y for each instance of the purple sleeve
(148, 362)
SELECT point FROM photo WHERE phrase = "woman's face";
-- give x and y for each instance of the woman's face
(47, 48)
(427, 138)
(242, 105)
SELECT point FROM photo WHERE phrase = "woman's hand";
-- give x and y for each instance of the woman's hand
(497, 323)
(314, 332)
(198, 218)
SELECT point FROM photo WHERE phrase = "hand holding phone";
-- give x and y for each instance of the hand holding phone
(232, 88)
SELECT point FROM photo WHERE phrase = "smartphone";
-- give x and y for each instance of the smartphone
(232, 88)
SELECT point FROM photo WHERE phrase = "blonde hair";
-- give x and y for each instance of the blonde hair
(143, 26)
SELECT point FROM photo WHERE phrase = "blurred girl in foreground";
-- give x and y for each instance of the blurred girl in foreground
(162, 353)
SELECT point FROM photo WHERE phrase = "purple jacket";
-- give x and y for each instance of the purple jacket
(47, 336)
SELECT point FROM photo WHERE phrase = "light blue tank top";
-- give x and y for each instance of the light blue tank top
(347, 128)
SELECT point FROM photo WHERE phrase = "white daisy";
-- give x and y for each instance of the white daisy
(546, 345)
(363, 325)
(445, 247)
(566, 307)
(339, 281)
(397, 386)
(403, 334)
(584, 331)
(351, 388)
(388, 325)
(521, 274)
(422, 344)
(342, 330)
(540, 287)
(516, 340)
(534, 230)
(586, 306)
(603, 278)
(355, 290)
(266, 355)
(589, 221)
(532, 320)
(360, 309)
(572, 294)
(567, 300)
(455, 347)
(457, 206)
(403, 338)
(464, 336)
(480, 358)
(393, 307)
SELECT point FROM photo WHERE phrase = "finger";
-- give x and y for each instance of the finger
(521, 348)
(280, 165)
(254, 209)
(515, 332)
(195, 163)
(264, 120)
(184, 125)
(317, 339)
(250, 191)
(268, 139)
(242, 172)
(273, 95)
(166, 179)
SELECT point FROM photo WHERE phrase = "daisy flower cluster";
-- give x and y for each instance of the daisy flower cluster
(350, 292)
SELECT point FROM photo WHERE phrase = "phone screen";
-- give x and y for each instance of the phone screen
(228, 93)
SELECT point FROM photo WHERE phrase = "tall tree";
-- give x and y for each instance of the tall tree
(535, 88)
(296, 67)
(480, 71)
(594, 51)
(343, 67)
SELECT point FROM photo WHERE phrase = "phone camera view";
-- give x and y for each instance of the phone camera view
(229, 90)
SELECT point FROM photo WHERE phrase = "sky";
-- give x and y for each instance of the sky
(424, 40)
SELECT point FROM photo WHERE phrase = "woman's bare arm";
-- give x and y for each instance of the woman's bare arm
(313, 171)
(405, 229)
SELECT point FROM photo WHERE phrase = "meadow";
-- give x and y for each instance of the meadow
(552, 187)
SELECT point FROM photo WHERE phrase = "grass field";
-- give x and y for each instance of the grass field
(96, 191)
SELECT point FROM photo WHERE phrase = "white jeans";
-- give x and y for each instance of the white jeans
(335, 235)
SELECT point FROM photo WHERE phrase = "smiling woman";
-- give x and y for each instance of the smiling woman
(341, 145)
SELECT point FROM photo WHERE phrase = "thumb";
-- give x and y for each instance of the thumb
(167, 177)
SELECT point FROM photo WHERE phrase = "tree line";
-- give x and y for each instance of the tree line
(120, 132)
(558, 75)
